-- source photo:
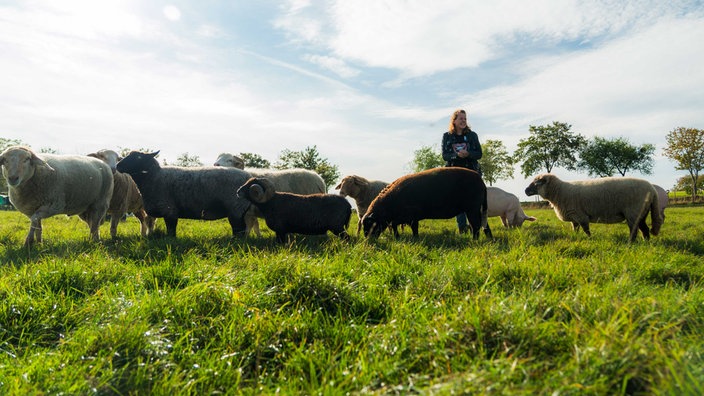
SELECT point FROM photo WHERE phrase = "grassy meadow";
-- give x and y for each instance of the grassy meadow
(538, 310)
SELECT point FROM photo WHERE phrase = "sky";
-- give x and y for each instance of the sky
(367, 82)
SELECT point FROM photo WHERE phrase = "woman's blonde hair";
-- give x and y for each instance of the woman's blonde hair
(454, 117)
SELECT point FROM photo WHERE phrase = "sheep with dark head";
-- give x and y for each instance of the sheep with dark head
(606, 200)
(45, 185)
(293, 180)
(125, 196)
(175, 192)
(439, 193)
(287, 213)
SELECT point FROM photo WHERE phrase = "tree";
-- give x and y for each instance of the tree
(426, 158)
(309, 158)
(604, 157)
(254, 161)
(496, 163)
(549, 146)
(686, 147)
(684, 183)
(187, 160)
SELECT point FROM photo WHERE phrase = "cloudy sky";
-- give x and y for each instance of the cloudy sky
(367, 82)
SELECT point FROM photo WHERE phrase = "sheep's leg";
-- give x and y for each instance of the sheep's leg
(146, 223)
(359, 226)
(171, 223)
(487, 232)
(644, 229)
(575, 226)
(504, 220)
(585, 227)
(281, 237)
(114, 220)
(35, 231)
(238, 225)
(414, 227)
(394, 228)
(343, 234)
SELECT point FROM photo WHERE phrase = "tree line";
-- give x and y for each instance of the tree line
(546, 147)
(556, 145)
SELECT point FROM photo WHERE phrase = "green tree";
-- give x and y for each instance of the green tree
(309, 158)
(496, 162)
(187, 160)
(604, 157)
(426, 158)
(685, 146)
(549, 146)
(684, 183)
(254, 161)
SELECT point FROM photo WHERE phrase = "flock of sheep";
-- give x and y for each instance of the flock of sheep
(294, 201)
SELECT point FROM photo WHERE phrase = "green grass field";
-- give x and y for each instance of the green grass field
(538, 310)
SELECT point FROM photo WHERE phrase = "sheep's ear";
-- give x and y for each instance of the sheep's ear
(154, 154)
(256, 192)
(360, 182)
(36, 161)
(339, 186)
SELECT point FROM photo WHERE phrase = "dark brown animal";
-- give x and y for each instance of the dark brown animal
(439, 193)
(287, 213)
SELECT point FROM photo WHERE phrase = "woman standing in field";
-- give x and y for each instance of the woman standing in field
(460, 147)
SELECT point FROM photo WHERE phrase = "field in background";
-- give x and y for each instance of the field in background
(538, 310)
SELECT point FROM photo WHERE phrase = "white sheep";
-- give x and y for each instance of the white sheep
(363, 191)
(606, 200)
(295, 180)
(47, 185)
(125, 196)
(663, 200)
(507, 206)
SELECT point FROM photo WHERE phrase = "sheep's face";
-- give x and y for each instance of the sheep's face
(349, 186)
(538, 185)
(230, 161)
(18, 165)
(108, 156)
(256, 190)
(136, 163)
(372, 226)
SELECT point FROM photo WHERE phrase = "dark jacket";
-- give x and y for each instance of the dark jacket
(450, 147)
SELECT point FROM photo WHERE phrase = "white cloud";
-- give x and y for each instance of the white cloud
(172, 13)
(335, 65)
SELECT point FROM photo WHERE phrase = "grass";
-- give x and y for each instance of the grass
(538, 310)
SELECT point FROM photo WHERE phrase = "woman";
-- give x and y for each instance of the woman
(460, 147)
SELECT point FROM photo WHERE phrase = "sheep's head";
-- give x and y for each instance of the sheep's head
(351, 186)
(110, 157)
(19, 163)
(539, 184)
(257, 190)
(229, 160)
(372, 225)
(136, 163)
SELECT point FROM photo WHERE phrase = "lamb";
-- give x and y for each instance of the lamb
(606, 200)
(287, 213)
(507, 206)
(663, 200)
(295, 180)
(125, 196)
(175, 192)
(363, 191)
(46, 185)
(439, 193)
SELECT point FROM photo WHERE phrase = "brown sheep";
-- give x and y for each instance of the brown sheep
(439, 193)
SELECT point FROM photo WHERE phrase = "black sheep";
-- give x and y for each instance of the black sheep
(439, 193)
(287, 213)
(174, 192)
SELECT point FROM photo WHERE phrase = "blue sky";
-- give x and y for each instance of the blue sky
(367, 82)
